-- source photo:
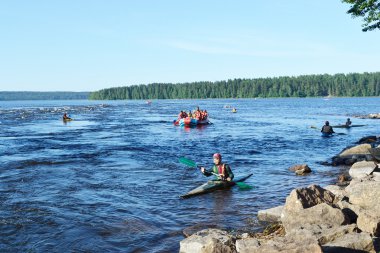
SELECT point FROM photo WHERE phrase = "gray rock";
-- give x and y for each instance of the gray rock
(247, 245)
(374, 115)
(353, 241)
(208, 241)
(351, 211)
(367, 139)
(283, 244)
(365, 194)
(300, 169)
(302, 198)
(362, 169)
(270, 215)
(369, 221)
(322, 214)
(198, 227)
(357, 150)
(338, 191)
(376, 176)
(322, 233)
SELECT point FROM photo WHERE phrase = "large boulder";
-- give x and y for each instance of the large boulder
(362, 169)
(351, 211)
(352, 155)
(302, 198)
(369, 221)
(270, 215)
(368, 139)
(365, 194)
(279, 244)
(322, 233)
(352, 242)
(208, 241)
(311, 205)
(359, 149)
(321, 214)
(338, 191)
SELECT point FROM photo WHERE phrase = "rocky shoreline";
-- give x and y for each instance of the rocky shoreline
(337, 218)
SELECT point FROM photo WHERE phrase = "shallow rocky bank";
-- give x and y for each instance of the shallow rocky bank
(368, 116)
(337, 218)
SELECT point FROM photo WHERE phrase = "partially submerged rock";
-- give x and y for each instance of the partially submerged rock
(352, 155)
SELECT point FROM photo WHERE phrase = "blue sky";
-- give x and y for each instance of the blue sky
(87, 45)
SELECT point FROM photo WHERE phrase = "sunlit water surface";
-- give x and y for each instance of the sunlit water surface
(109, 181)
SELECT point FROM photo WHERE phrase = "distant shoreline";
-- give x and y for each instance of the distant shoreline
(43, 95)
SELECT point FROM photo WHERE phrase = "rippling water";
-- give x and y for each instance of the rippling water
(109, 181)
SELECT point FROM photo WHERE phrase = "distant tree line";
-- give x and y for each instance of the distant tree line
(348, 85)
(36, 95)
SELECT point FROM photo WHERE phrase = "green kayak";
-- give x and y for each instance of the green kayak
(344, 126)
(214, 185)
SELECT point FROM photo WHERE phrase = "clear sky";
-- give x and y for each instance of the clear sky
(87, 45)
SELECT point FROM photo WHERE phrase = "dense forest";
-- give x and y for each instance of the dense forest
(348, 85)
(31, 95)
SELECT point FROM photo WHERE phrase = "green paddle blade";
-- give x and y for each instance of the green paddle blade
(243, 186)
(187, 162)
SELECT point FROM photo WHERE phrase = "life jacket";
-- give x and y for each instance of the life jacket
(326, 129)
(222, 171)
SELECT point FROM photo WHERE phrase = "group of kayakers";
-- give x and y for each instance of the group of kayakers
(223, 170)
(196, 114)
(327, 129)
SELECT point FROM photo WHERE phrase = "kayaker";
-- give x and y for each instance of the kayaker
(65, 117)
(223, 170)
(327, 129)
(182, 115)
(348, 122)
(198, 113)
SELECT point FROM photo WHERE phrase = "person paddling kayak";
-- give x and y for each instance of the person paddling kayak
(65, 117)
(223, 170)
(348, 122)
(327, 129)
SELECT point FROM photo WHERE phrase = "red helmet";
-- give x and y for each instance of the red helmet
(217, 155)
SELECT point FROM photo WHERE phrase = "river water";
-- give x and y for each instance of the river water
(109, 181)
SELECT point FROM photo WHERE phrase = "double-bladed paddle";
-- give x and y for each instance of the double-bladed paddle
(192, 164)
